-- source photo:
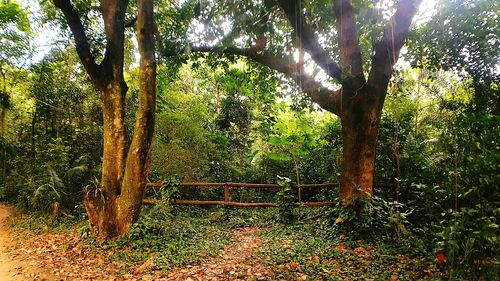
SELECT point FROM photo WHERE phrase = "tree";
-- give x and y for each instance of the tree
(463, 37)
(14, 35)
(115, 204)
(292, 141)
(359, 100)
(14, 38)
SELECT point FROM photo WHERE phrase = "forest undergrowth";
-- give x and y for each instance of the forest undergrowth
(185, 240)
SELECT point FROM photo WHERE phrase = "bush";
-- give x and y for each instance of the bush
(366, 217)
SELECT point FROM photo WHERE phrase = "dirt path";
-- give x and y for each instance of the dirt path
(5, 263)
(14, 269)
(9, 269)
(235, 263)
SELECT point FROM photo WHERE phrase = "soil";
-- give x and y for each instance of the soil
(14, 269)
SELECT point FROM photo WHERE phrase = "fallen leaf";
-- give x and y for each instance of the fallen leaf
(340, 247)
(302, 276)
(294, 265)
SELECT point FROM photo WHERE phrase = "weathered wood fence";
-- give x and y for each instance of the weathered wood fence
(228, 185)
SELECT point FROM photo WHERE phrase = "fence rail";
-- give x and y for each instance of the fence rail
(228, 185)
(237, 184)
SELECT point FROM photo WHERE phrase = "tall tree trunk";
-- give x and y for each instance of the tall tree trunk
(101, 203)
(360, 123)
(3, 114)
(360, 104)
(137, 165)
(33, 138)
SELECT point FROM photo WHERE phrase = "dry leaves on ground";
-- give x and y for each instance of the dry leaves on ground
(64, 258)
(237, 261)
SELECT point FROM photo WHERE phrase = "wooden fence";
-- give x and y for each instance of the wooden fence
(228, 185)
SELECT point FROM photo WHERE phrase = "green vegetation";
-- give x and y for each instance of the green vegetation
(183, 239)
(224, 115)
(319, 248)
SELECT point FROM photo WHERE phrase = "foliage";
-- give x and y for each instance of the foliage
(291, 141)
(365, 217)
(323, 163)
(309, 249)
(462, 210)
(167, 193)
(182, 147)
(58, 147)
(448, 157)
(15, 33)
(285, 198)
(186, 237)
(463, 35)
(206, 120)
(37, 223)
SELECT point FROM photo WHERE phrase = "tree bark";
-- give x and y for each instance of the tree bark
(3, 112)
(360, 122)
(101, 203)
(3, 117)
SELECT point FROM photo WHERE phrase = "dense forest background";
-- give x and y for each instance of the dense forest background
(229, 119)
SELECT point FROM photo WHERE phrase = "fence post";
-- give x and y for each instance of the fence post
(226, 194)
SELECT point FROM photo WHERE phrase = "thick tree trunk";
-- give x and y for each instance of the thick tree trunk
(362, 100)
(101, 203)
(115, 205)
(360, 123)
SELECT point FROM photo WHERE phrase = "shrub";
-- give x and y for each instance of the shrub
(366, 217)
(285, 198)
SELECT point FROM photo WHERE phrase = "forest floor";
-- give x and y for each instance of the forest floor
(199, 244)
(14, 269)
(61, 256)
(237, 262)
(44, 256)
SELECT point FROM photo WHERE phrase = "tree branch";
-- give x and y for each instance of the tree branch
(351, 60)
(113, 13)
(308, 39)
(81, 41)
(393, 38)
(326, 98)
